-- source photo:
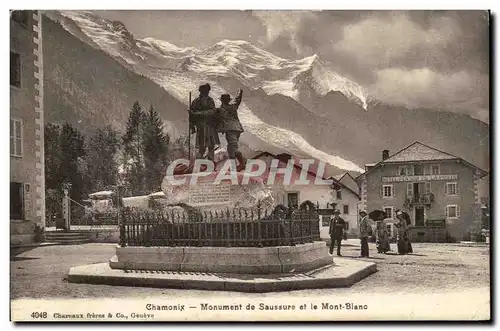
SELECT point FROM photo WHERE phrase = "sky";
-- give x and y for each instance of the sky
(431, 59)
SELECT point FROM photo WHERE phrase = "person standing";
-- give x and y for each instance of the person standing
(336, 230)
(382, 236)
(364, 232)
(403, 238)
(230, 125)
(203, 112)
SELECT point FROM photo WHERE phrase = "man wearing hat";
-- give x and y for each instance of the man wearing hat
(229, 124)
(336, 230)
(364, 233)
(204, 118)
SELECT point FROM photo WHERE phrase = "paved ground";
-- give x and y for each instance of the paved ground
(434, 268)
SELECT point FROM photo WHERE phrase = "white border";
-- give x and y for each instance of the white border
(217, 4)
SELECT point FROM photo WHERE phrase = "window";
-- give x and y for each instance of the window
(428, 187)
(16, 201)
(347, 226)
(293, 200)
(387, 191)
(15, 69)
(452, 211)
(451, 189)
(409, 189)
(418, 169)
(435, 169)
(389, 212)
(16, 133)
(21, 16)
(346, 209)
(339, 194)
(389, 230)
(405, 170)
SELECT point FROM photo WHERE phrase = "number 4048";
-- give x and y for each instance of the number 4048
(39, 315)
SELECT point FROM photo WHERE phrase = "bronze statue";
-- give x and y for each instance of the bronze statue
(229, 124)
(204, 122)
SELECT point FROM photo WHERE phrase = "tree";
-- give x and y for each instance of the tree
(179, 148)
(72, 151)
(155, 150)
(64, 162)
(101, 163)
(132, 159)
(52, 156)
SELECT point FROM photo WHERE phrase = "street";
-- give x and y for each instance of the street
(434, 268)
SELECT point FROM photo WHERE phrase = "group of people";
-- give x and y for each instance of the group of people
(207, 121)
(338, 225)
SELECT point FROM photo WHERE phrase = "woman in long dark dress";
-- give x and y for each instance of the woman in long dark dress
(382, 236)
(403, 238)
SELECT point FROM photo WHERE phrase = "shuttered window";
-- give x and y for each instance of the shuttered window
(15, 69)
(16, 133)
(452, 211)
(451, 188)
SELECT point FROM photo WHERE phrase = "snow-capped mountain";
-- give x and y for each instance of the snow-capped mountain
(252, 66)
(96, 69)
(180, 70)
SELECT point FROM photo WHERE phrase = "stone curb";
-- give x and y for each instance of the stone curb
(352, 272)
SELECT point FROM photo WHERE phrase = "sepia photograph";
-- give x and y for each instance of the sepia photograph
(250, 165)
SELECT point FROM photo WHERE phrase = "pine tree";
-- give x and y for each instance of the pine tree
(64, 158)
(132, 150)
(72, 150)
(101, 158)
(155, 149)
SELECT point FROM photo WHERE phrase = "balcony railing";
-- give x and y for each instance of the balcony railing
(420, 199)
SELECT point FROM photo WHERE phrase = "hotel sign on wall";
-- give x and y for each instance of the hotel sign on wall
(424, 178)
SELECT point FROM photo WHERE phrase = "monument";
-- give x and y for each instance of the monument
(222, 235)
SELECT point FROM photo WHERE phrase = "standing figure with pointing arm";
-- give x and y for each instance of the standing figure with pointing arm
(230, 124)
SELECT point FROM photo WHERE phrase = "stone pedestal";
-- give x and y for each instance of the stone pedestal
(210, 192)
(235, 260)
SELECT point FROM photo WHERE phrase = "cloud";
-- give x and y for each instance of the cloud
(378, 40)
(462, 91)
(285, 24)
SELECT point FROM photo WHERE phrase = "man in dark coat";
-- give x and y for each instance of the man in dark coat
(364, 232)
(203, 116)
(336, 230)
(229, 124)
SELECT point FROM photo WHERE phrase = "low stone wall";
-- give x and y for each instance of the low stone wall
(244, 260)
(102, 236)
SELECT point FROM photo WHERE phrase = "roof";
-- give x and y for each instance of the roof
(285, 157)
(338, 177)
(101, 194)
(421, 152)
(342, 184)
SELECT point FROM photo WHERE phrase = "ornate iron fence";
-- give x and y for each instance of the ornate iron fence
(229, 228)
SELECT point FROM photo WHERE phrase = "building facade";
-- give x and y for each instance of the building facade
(438, 190)
(27, 180)
(324, 197)
(346, 199)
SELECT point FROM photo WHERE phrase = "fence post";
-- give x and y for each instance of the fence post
(259, 228)
(290, 212)
(123, 241)
(312, 220)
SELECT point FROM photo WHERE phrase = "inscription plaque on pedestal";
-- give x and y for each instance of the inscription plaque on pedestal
(209, 194)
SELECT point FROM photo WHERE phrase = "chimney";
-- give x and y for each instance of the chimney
(385, 154)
